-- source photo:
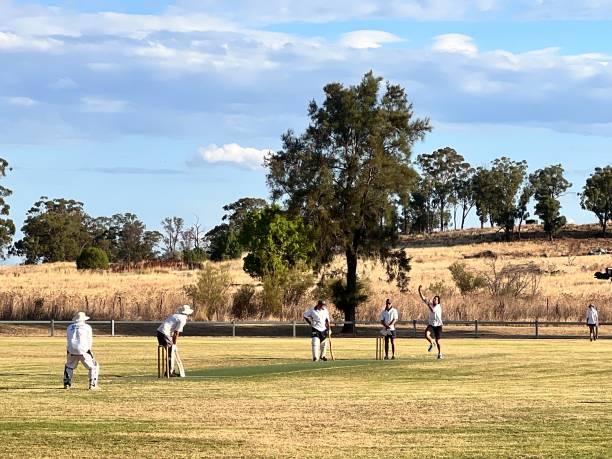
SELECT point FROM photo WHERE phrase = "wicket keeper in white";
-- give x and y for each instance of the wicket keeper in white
(388, 317)
(170, 329)
(318, 319)
(79, 337)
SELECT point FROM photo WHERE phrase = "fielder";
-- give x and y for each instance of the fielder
(318, 319)
(169, 331)
(592, 320)
(79, 337)
(388, 317)
(434, 323)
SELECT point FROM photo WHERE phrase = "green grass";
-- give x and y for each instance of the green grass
(248, 397)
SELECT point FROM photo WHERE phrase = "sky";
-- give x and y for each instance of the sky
(167, 108)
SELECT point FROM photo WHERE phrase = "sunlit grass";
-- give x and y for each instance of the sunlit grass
(264, 398)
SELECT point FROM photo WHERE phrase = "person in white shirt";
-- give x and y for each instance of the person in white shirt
(318, 319)
(79, 337)
(592, 320)
(170, 329)
(434, 322)
(388, 317)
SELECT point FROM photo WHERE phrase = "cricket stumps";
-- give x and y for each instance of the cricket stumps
(163, 361)
(380, 345)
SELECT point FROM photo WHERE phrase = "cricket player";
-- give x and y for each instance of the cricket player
(170, 329)
(318, 319)
(79, 337)
(434, 323)
(592, 320)
(388, 317)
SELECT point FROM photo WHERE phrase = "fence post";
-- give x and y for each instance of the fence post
(537, 332)
(52, 327)
(475, 328)
(234, 328)
(112, 327)
(294, 331)
(354, 328)
(414, 327)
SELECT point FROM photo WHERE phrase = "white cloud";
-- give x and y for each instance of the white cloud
(18, 101)
(251, 158)
(363, 39)
(10, 41)
(63, 83)
(101, 105)
(454, 43)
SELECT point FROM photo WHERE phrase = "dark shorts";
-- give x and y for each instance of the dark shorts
(163, 340)
(437, 331)
(391, 334)
(322, 335)
(592, 327)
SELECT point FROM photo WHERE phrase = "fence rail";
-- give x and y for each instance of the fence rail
(406, 328)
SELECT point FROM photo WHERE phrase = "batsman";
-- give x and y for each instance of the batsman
(168, 333)
(318, 319)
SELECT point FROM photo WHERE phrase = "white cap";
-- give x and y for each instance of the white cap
(185, 309)
(80, 317)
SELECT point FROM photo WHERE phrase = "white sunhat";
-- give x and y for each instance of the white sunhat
(80, 317)
(185, 309)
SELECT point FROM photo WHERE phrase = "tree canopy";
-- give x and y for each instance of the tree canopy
(548, 185)
(596, 195)
(7, 227)
(344, 173)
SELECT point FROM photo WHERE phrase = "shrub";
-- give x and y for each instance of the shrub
(466, 281)
(92, 258)
(243, 303)
(440, 288)
(210, 292)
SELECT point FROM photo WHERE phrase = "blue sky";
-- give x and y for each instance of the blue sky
(166, 108)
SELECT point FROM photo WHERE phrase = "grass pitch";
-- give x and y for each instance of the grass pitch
(247, 397)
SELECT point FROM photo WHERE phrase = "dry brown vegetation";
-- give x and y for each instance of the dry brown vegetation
(563, 288)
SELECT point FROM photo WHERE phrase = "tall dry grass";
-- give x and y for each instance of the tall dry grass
(566, 287)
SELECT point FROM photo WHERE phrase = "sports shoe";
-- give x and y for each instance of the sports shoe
(430, 347)
(440, 356)
(94, 387)
(66, 386)
(324, 359)
(386, 357)
(392, 357)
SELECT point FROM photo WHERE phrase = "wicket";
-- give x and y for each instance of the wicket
(380, 346)
(163, 361)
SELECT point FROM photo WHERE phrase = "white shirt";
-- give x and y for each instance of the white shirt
(175, 322)
(388, 316)
(79, 337)
(435, 316)
(317, 318)
(591, 316)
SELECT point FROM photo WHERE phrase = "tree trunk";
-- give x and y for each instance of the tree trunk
(351, 289)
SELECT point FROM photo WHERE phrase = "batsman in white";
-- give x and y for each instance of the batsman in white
(168, 333)
(79, 337)
(388, 317)
(318, 319)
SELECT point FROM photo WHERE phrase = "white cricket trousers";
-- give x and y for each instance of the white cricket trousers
(319, 350)
(88, 361)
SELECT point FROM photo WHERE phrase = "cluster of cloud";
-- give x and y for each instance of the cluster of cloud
(201, 70)
(251, 158)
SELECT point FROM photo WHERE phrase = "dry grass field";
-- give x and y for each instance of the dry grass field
(259, 398)
(566, 284)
